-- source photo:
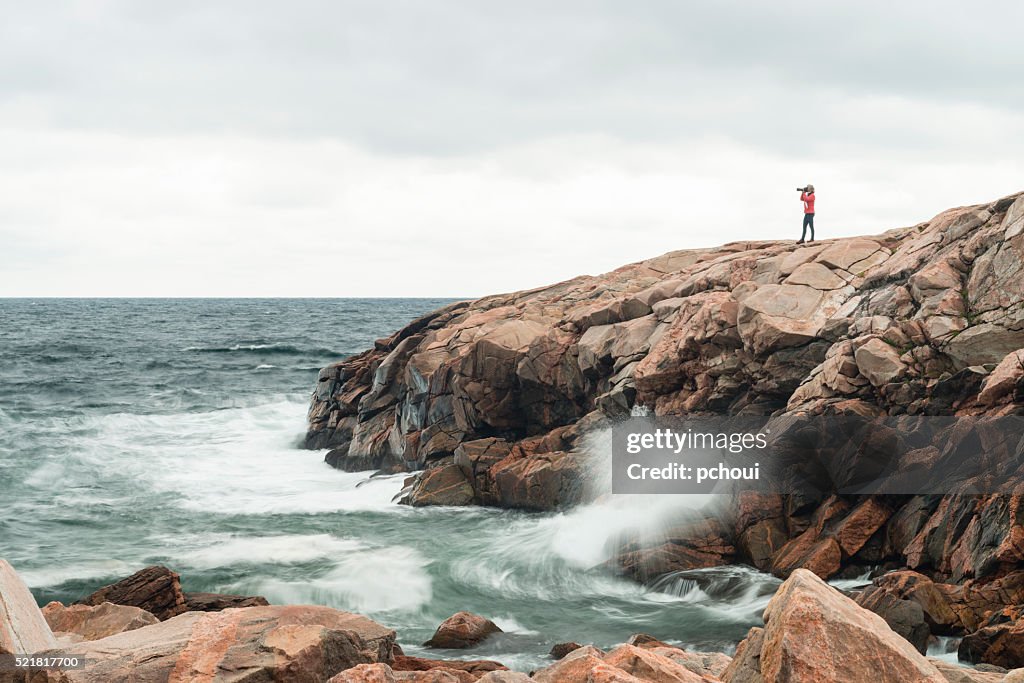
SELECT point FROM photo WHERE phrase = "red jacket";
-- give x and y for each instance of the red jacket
(808, 200)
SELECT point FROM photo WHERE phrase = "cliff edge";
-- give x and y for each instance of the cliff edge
(487, 400)
(909, 321)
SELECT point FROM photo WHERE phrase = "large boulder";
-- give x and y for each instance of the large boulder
(1005, 381)
(95, 622)
(155, 589)
(462, 630)
(779, 316)
(23, 630)
(300, 644)
(880, 362)
(815, 634)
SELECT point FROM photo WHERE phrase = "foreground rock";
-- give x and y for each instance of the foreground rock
(302, 644)
(462, 630)
(95, 622)
(23, 630)
(815, 634)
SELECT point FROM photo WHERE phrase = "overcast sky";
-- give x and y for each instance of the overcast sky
(458, 148)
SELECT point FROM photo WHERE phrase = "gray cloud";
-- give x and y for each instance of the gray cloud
(456, 77)
(457, 147)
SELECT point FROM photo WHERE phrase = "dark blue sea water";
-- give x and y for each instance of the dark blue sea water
(135, 432)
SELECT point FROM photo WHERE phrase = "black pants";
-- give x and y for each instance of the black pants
(808, 223)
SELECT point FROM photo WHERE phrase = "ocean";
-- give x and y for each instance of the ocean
(162, 431)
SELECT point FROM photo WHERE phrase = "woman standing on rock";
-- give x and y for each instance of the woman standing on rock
(807, 197)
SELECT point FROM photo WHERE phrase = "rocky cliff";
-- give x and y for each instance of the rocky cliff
(488, 399)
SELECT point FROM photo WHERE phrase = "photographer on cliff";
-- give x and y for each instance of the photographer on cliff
(807, 197)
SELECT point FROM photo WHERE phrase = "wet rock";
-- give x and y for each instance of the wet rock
(215, 602)
(905, 617)
(1002, 645)
(696, 544)
(910, 585)
(462, 630)
(297, 643)
(560, 650)
(545, 481)
(819, 555)
(155, 589)
(855, 529)
(445, 484)
(23, 630)
(95, 622)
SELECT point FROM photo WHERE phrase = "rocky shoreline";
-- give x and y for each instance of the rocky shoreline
(489, 402)
(492, 402)
(812, 633)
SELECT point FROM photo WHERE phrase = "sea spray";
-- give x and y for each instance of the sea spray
(156, 455)
(599, 529)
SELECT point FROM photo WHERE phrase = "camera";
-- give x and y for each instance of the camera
(801, 189)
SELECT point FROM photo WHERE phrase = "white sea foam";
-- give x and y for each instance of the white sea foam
(239, 460)
(508, 624)
(57, 574)
(223, 550)
(369, 581)
(853, 583)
